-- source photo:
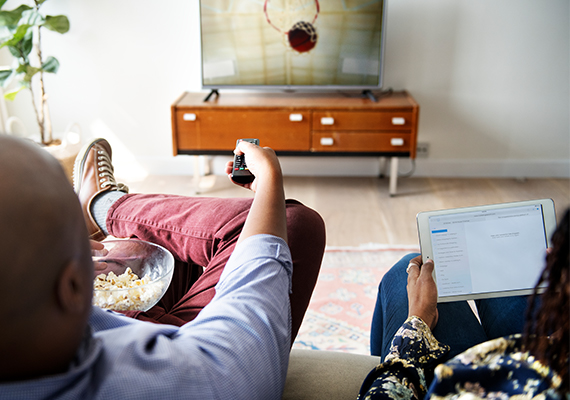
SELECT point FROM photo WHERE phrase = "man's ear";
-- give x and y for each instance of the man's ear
(72, 288)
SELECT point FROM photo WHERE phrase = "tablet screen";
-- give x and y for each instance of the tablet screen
(494, 250)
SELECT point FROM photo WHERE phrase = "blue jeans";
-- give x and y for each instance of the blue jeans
(457, 325)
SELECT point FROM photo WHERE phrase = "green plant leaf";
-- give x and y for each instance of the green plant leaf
(5, 75)
(26, 72)
(2, 3)
(18, 36)
(58, 23)
(27, 44)
(31, 18)
(14, 51)
(50, 65)
(11, 18)
(19, 46)
(22, 68)
(12, 94)
(30, 72)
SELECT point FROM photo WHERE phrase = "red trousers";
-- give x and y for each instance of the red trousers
(201, 234)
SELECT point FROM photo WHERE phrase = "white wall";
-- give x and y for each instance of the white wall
(492, 79)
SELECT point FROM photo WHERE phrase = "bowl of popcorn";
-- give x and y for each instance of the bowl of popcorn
(131, 274)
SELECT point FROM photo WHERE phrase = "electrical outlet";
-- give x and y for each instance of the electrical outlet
(422, 150)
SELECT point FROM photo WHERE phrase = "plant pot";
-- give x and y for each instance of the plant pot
(67, 148)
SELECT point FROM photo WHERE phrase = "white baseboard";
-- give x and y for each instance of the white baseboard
(494, 168)
(370, 166)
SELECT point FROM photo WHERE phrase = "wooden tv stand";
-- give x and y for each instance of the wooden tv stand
(298, 124)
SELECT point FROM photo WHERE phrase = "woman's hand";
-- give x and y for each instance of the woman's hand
(422, 291)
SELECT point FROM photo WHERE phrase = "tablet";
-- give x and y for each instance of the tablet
(487, 251)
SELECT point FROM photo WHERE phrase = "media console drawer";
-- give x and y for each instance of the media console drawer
(362, 120)
(361, 142)
(215, 130)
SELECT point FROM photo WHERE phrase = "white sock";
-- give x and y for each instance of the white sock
(100, 207)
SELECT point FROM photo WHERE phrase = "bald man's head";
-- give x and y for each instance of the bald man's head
(42, 223)
(43, 238)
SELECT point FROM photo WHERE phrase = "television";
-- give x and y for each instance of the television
(292, 45)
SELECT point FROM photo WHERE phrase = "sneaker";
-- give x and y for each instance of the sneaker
(92, 175)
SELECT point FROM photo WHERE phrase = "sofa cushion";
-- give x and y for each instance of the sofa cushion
(327, 375)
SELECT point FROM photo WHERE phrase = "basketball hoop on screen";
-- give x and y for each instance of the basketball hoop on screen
(282, 14)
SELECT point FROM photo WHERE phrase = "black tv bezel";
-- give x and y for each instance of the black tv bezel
(300, 88)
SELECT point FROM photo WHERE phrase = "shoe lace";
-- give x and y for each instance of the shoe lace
(106, 172)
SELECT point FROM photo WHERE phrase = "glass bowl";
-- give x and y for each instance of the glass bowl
(131, 274)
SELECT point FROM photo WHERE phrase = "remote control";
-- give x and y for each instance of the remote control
(241, 173)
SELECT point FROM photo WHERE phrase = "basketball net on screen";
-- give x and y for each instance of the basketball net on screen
(295, 19)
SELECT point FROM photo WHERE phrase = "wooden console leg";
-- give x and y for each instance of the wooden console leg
(393, 175)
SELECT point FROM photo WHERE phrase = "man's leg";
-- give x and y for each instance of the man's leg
(204, 231)
(457, 325)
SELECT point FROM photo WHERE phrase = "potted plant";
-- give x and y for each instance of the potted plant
(20, 32)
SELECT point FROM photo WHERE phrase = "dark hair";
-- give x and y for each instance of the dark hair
(551, 318)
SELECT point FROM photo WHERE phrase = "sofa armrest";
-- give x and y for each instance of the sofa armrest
(327, 375)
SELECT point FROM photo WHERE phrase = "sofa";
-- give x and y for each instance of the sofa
(326, 375)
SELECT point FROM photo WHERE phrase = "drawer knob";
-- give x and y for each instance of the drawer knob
(398, 121)
(327, 121)
(189, 117)
(295, 117)
(397, 142)
(327, 141)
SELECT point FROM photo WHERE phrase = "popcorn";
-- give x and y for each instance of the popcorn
(126, 291)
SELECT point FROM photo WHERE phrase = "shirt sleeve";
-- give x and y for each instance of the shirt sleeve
(402, 374)
(241, 340)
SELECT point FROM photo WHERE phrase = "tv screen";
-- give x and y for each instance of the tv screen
(292, 44)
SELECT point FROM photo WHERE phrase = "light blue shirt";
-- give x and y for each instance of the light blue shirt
(237, 347)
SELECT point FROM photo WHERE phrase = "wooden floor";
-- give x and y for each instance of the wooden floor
(360, 210)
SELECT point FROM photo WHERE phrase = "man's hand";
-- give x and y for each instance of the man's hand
(267, 214)
(422, 291)
(261, 161)
(97, 249)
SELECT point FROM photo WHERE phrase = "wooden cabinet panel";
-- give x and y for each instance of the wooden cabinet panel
(361, 142)
(361, 121)
(215, 130)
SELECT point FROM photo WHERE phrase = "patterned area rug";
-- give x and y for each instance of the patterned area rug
(340, 312)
